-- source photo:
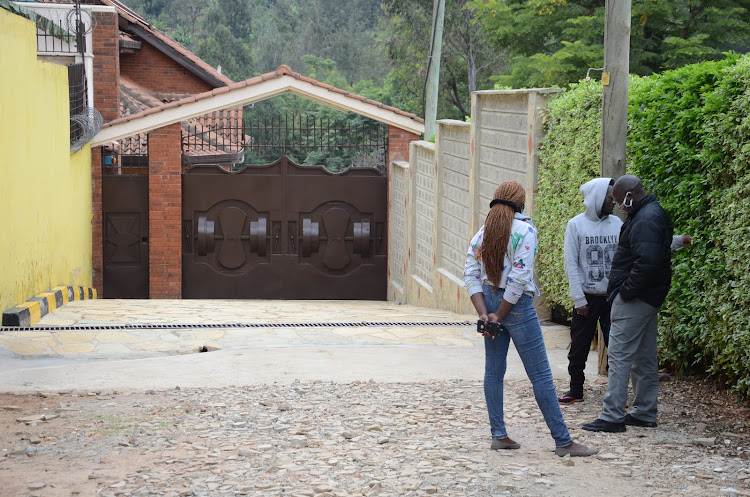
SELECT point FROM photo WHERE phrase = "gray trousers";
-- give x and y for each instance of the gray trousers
(632, 352)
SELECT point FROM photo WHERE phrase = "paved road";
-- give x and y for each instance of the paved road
(140, 357)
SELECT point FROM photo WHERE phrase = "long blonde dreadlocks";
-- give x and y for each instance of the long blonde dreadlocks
(497, 228)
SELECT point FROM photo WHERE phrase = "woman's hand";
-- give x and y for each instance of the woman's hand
(493, 317)
(503, 310)
(483, 316)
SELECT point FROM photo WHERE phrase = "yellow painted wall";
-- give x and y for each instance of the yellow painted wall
(45, 191)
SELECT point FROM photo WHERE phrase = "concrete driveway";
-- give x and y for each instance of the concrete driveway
(142, 344)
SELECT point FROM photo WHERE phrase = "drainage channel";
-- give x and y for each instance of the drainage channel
(158, 326)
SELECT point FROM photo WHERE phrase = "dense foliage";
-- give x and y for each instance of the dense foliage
(569, 157)
(380, 48)
(553, 42)
(689, 140)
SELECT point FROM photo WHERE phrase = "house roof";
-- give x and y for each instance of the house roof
(205, 141)
(135, 25)
(268, 85)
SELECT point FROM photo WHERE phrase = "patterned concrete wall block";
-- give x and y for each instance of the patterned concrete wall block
(504, 159)
(504, 101)
(503, 121)
(493, 176)
(512, 142)
(423, 237)
(452, 261)
(446, 193)
(456, 194)
(455, 147)
(398, 229)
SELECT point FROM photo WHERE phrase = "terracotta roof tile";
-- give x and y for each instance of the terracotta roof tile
(204, 140)
(281, 71)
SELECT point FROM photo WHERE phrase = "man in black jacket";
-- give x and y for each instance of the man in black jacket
(638, 284)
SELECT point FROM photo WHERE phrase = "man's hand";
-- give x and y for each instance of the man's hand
(484, 317)
(493, 317)
(583, 310)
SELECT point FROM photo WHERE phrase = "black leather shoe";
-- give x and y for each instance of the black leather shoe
(631, 421)
(601, 425)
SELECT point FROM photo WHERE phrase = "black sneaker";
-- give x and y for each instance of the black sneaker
(632, 421)
(606, 426)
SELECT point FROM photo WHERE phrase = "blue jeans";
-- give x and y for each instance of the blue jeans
(523, 324)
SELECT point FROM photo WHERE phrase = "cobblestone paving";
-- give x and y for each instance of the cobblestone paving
(349, 439)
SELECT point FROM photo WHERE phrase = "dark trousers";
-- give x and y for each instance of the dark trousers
(582, 331)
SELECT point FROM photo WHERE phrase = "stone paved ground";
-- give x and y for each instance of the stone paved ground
(317, 438)
(92, 416)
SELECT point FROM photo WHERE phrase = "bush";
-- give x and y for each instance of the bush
(569, 157)
(689, 141)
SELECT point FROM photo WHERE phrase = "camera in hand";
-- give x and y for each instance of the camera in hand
(490, 328)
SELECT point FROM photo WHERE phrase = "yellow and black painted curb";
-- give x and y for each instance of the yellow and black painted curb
(31, 311)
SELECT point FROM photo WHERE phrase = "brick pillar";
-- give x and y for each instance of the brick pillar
(107, 101)
(398, 143)
(165, 212)
(97, 249)
(106, 65)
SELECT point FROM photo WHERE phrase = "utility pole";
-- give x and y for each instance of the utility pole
(614, 105)
(433, 69)
(615, 84)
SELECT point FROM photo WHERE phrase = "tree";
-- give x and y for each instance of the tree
(225, 50)
(188, 13)
(467, 58)
(554, 42)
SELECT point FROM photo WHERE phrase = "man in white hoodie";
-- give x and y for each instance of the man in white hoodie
(591, 240)
(590, 243)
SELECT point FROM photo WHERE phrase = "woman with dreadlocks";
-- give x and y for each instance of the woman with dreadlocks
(499, 277)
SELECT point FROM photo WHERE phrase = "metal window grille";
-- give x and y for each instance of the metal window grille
(336, 144)
(77, 95)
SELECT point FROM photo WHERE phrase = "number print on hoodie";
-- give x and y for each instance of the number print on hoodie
(590, 243)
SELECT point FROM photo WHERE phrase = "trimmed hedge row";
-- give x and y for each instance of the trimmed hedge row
(689, 141)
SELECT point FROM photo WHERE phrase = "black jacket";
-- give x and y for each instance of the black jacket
(642, 264)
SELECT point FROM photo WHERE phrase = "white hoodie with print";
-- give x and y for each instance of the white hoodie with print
(590, 243)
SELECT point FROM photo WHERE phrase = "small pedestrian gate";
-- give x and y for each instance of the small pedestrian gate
(125, 216)
(284, 231)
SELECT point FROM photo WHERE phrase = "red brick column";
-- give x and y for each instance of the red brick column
(106, 65)
(107, 101)
(97, 243)
(165, 213)
(398, 144)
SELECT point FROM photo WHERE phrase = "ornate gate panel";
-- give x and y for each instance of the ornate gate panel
(340, 226)
(125, 206)
(284, 231)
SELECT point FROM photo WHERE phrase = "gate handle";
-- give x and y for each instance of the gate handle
(258, 236)
(310, 237)
(362, 238)
(205, 236)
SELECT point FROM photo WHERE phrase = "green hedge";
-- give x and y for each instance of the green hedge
(689, 140)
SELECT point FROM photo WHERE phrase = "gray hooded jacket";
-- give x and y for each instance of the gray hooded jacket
(590, 244)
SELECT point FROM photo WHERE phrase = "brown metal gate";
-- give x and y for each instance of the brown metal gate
(125, 206)
(284, 231)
